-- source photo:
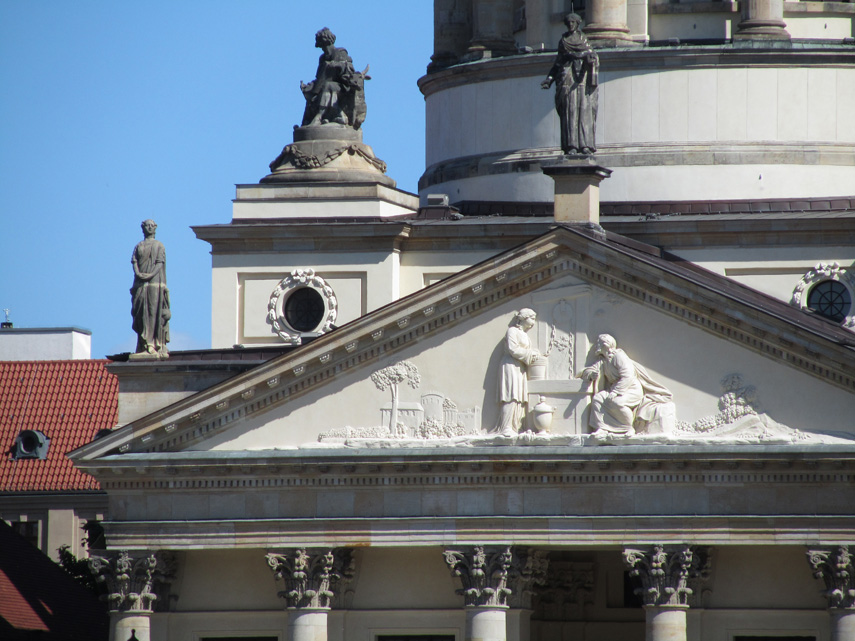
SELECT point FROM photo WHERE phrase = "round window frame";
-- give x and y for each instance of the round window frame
(820, 273)
(296, 280)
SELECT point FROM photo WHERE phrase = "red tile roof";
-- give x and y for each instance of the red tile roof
(69, 401)
(39, 600)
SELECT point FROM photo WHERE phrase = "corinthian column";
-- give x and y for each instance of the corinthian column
(131, 583)
(665, 574)
(607, 23)
(835, 567)
(484, 573)
(312, 579)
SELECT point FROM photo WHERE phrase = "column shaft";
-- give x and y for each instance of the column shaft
(665, 623)
(607, 23)
(842, 624)
(130, 625)
(452, 31)
(486, 624)
(762, 20)
(307, 624)
(492, 27)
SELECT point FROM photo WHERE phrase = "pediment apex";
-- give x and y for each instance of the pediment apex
(585, 254)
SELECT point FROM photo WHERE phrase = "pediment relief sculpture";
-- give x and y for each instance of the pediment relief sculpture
(625, 397)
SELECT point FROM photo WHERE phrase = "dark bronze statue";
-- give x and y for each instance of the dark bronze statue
(149, 295)
(337, 94)
(574, 73)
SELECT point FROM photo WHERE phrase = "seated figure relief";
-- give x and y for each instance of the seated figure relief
(625, 398)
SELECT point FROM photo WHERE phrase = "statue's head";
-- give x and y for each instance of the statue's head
(574, 19)
(148, 227)
(525, 318)
(324, 38)
(605, 343)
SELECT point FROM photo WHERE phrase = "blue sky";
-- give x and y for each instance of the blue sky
(113, 112)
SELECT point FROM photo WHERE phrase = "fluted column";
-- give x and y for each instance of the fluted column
(606, 23)
(492, 29)
(835, 567)
(762, 20)
(312, 579)
(665, 573)
(132, 582)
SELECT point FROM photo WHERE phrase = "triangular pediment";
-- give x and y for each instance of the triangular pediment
(738, 364)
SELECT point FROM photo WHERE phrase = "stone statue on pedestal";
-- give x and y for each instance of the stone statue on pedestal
(575, 74)
(149, 295)
(337, 94)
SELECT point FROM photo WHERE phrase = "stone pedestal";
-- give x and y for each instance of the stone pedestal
(307, 624)
(577, 189)
(762, 20)
(327, 153)
(486, 624)
(130, 625)
(606, 24)
(665, 623)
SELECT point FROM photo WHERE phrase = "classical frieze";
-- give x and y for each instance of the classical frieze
(835, 567)
(669, 575)
(313, 578)
(133, 581)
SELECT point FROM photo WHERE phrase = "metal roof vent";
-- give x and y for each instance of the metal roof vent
(30, 444)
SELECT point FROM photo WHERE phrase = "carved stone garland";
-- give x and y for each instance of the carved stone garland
(132, 580)
(835, 567)
(821, 272)
(312, 578)
(665, 573)
(275, 306)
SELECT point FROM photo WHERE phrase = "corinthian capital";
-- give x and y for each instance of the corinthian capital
(484, 574)
(665, 573)
(311, 576)
(131, 581)
(835, 567)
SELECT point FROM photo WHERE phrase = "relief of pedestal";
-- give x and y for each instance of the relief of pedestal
(835, 567)
(137, 585)
(315, 580)
(669, 577)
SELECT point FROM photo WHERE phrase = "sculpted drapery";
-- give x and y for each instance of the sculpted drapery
(513, 378)
(149, 294)
(575, 74)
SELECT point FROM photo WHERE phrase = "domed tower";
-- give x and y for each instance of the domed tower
(699, 102)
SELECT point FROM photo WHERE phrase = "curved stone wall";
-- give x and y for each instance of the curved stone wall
(698, 123)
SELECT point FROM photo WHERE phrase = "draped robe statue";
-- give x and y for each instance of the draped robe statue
(149, 294)
(575, 74)
(513, 377)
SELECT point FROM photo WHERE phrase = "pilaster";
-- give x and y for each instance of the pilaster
(835, 567)
(132, 583)
(665, 574)
(313, 580)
